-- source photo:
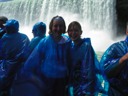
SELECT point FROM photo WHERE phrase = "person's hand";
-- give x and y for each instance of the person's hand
(124, 58)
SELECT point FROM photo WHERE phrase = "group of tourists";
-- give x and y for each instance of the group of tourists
(59, 64)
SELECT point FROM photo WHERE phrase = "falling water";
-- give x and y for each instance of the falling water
(97, 17)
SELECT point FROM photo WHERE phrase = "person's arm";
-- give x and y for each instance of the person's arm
(112, 63)
(123, 59)
(114, 69)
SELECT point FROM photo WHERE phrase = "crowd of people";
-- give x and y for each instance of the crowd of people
(59, 64)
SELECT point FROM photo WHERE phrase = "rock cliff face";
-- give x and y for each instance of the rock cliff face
(122, 16)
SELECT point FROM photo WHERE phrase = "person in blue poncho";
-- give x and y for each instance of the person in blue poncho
(3, 20)
(115, 62)
(85, 73)
(12, 44)
(45, 71)
(39, 32)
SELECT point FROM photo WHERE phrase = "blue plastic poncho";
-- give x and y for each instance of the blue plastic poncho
(51, 56)
(117, 76)
(86, 73)
(12, 44)
(49, 59)
(39, 31)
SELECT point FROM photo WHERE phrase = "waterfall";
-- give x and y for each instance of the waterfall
(95, 16)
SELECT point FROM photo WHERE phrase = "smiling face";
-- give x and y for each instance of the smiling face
(74, 31)
(57, 27)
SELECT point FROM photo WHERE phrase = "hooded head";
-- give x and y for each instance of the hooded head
(39, 29)
(12, 26)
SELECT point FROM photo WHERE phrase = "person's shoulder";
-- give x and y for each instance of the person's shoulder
(87, 41)
(66, 37)
(114, 47)
(22, 34)
(34, 39)
(118, 43)
(45, 39)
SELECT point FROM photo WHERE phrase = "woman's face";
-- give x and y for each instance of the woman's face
(58, 27)
(74, 33)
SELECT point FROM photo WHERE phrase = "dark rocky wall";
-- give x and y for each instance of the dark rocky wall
(122, 16)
